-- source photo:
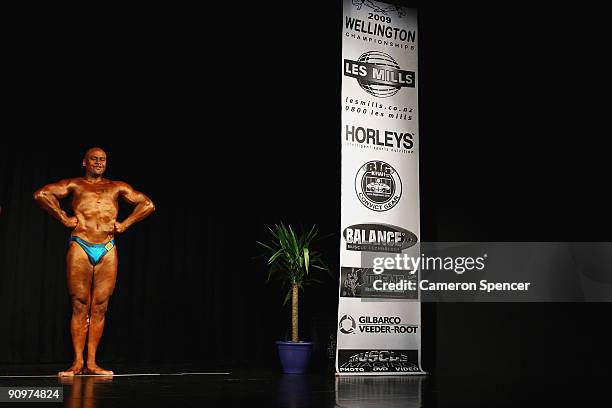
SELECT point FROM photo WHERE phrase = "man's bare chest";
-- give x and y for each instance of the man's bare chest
(97, 194)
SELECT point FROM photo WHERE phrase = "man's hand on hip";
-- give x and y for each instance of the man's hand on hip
(70, 222)
(119, 227)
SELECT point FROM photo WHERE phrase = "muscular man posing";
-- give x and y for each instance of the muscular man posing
(92, 258)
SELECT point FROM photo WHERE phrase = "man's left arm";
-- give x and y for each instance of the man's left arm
(144, 206)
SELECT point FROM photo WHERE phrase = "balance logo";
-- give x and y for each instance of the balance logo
(379, 74)
(378, 238)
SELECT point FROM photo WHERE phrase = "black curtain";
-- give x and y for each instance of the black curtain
(222, 150)
(191, 286)
(226, 142)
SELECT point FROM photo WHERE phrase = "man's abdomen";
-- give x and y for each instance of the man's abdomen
(95, 226)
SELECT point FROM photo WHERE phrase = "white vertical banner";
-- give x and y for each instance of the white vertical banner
(378, 329)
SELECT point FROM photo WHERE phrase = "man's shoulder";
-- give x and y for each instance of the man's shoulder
(122, 185)
(71, 182)
(117, 182)
(75, 184)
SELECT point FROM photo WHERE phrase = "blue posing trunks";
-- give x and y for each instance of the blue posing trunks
(95, 252)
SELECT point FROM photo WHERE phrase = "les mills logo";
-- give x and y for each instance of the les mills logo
(379, 74)
(378, 186)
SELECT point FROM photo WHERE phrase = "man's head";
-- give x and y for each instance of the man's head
(94, 162)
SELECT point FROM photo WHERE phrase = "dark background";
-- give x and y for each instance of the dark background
(230, 120)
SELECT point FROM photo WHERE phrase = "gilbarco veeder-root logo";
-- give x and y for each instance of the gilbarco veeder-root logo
(379, 74)
(375, 324)
(378, 186)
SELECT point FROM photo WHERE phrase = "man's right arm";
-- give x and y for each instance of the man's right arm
(48, 198)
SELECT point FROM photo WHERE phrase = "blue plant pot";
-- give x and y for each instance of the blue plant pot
(294, 356)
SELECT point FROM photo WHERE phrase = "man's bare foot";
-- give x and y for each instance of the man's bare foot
(75, 369)
(96, 370)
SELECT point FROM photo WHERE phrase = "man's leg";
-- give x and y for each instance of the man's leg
(105, 274)
(79, 277)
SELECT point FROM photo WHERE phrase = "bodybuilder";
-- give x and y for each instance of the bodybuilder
(92, 257)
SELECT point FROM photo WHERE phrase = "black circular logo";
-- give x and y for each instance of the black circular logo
(347, 324)
(382, 59)
(378, 186)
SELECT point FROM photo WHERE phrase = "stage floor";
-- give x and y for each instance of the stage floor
(190, 386)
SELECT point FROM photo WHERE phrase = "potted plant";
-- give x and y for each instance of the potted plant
(291, 259)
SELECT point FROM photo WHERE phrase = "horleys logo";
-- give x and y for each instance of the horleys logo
(378, 186)
(379, 74)
(378, 238)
